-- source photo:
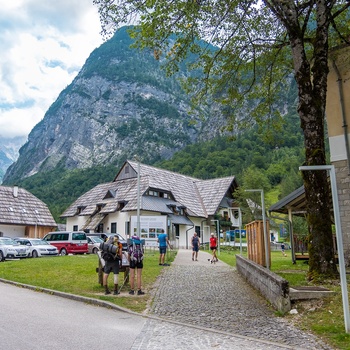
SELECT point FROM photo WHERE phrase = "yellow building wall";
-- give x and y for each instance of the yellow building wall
(338, 89)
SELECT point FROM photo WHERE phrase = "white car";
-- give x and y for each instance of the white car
(10, 249)
(38, 247)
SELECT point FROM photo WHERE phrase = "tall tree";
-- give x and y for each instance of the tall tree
(255, 45)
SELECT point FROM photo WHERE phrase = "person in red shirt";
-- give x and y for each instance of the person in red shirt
(213, 247)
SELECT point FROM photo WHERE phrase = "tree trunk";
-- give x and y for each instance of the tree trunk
(312, 90)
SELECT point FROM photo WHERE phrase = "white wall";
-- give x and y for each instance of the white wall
(12, 231)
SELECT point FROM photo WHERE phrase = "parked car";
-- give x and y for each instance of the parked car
(94, 244)
(38, 247)
(68, 242)
(105, 236)
(10, 249)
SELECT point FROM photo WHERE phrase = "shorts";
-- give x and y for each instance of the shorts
(213, 248)
(195, 248)
(134, 264)
(111, 266)
(162, 250)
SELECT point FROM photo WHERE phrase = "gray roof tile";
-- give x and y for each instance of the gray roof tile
(200, 197)
(23, 209)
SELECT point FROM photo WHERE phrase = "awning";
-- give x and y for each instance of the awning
(180, 220)
(295, 201)
(93, 221)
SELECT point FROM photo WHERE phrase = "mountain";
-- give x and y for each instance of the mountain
(9, 152)
(121, 105)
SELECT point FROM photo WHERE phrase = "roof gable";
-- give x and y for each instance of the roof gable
(200, 197)
(20, 207)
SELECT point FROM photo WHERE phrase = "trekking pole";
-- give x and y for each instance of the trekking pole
(125, 278)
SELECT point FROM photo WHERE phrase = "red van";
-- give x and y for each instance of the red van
(74, 242)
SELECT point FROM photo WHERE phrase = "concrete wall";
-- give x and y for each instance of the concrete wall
(273, 287)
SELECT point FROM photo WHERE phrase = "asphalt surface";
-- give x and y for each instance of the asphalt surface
(196, 305)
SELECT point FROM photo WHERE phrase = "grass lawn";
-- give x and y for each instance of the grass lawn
(77, 274)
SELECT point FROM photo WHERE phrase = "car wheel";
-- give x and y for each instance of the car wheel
(63, 251)
(35, 254)
(2, 258)
(95, 250)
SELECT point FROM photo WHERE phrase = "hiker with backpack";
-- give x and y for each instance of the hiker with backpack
(112, 257)
(135, 249)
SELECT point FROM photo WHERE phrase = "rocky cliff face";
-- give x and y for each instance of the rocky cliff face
(119, 106)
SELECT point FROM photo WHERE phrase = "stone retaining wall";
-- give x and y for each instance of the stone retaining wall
(273, 287)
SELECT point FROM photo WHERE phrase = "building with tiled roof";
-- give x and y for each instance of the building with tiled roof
(23, 214)
(167, 201)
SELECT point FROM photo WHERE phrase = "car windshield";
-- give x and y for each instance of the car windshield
(8, 241)
(39, 242)
(96, 239)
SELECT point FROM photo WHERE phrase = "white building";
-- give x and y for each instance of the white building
(168, 202)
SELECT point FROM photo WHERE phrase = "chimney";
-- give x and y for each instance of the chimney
(15, 191)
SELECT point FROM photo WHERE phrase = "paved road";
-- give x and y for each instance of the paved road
(34, 321)
(196, 305)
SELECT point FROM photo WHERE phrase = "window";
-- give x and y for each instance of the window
(113, 227)
(198, 230)
(75, 227)
(78, 236)
(127, 169)
(177, 230)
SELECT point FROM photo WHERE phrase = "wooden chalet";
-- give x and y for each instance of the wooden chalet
(23, 214)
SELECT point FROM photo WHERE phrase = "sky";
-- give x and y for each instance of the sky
(43, 45)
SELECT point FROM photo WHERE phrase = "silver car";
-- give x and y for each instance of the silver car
(94, 244)
(38, 247)
(10, 249)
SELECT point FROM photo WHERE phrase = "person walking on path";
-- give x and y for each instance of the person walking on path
(163, 243)
(112, 264)
(213, 246)
(195, 246)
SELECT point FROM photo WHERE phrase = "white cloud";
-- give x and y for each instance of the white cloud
(43, 45)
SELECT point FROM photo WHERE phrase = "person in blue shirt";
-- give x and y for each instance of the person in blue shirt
(163, 244)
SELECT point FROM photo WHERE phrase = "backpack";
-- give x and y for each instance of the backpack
(107, 256)
(135, 248)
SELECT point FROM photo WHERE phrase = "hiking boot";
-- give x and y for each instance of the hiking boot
(131, 292)
(107, 291)
(140, 292)
(116, 292)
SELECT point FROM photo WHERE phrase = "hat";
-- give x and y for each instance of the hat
(212, 233)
